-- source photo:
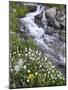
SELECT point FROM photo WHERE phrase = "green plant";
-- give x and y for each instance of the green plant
(28, 68)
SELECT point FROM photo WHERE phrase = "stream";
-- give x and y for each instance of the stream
(50, 45)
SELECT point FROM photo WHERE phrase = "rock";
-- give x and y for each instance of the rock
(62, 23)
(38, 20)
(51, 12)
(60, 16)
(31, 8)
(62, 34)
(53, 22)
(50, 30)
(56, 24)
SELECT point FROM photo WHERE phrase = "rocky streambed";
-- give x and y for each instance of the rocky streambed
(47, 28)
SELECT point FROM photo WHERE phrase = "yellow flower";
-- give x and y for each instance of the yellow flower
(31, 77)
(28, 71)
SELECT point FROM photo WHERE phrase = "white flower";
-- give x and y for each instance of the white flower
(36, 73)
(52, 71)
(25, 49)
(29, 49)
(40, 66)
(28, 71)
(27, 80)
(14, 53)
(53, 66)
(10, 54)
(43, 70)
(26, 54)
(13, 85)
(50, 63)
(45, 58)
(32, 54)
(48, 72)
(55, 77)
(19, 54)
(16, 68)
(11, 70)
(12, 59)
(39, 53)
(20, 62)
(52, 76)
(53, 81)
(33, 58)
(24, 67)
(38, 58)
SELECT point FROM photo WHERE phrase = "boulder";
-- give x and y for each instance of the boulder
(38, 20)
(51, 12)
(50, 30)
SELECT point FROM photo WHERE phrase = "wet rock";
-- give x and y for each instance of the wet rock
(38, 20)
(50, 30)
(62, 34)
(62, 23)
(53, 22)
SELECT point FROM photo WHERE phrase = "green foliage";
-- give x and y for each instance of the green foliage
(28, 68)
(58, 6)
(16, 10)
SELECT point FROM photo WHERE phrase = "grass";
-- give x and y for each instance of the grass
(28, 67)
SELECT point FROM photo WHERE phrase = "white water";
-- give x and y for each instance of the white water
(38, 33)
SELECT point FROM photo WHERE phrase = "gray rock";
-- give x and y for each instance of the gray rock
(50, 30)
(56, 23)
(51, 12)
(62, 23)
(38, 20)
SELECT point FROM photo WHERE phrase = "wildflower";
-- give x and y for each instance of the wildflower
(24, 67)
(14, 53)
(48, 72)
(45, 58)
(20, 62)
(36, 73)
(25, 49)
(52, 71)
(31, 76)
(53, 66)
(40, 66)
(28, 71)
(29, 49)
(55, 77)
(19, 54)
(50, 63)
(53, 81)
(39, 53)
(43, 70)
(12, 59)
(13, 85)
(27, 80)
(10, 54)
(33, 58)
(16, 68)
(26, 54)
(11, 70)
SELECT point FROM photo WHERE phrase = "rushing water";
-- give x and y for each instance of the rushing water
(46, 42)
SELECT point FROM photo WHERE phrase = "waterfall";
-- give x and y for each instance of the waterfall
(42, 40)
